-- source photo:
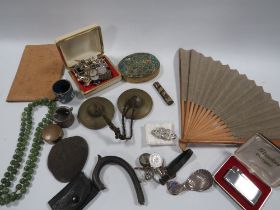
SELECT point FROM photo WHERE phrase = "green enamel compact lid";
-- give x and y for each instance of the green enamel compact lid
(139, 67)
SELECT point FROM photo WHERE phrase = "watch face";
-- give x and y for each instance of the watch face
(155, 160)
(144, 160)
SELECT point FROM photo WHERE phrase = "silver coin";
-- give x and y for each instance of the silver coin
(92, 73)
(155, 160)
(102, 69)
(95, 78)
(144, 160)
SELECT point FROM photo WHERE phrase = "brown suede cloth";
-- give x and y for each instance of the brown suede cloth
(39, 68)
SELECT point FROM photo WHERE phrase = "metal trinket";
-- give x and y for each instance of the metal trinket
(156, 166)
(164, 134)
(92, 71)
(63, 91)
(143, 105)
(175, 165)
(97, 112)
(63, 116)
(174, 187)
(166, 97)
(52, 133)
(149, 172)
(144, 160)
(155, 160)
(243, 185)
(91, 112)
(199, 181)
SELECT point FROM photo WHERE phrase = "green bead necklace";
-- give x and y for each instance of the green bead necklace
(6, 195)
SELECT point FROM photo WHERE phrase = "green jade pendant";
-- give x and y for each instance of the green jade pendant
(6, 194)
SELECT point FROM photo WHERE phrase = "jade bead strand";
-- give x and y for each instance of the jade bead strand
(6, 195)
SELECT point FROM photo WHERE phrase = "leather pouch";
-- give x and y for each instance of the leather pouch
(75, 195)
(81, 190)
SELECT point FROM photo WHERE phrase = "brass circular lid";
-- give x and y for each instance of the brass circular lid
(139, 67)
(144, 103)
(52, 133)
(91, 111)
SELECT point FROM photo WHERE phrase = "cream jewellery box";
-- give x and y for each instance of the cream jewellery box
(84, 44)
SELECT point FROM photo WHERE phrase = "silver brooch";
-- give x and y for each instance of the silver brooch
(164, 134)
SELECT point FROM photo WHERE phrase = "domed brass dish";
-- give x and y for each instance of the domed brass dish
(52, 133)
(91, 111)
(143, 106)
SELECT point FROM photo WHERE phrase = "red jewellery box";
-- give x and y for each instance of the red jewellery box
(247, 177)
(83, 44)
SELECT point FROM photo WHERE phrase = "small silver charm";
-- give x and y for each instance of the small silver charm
(152, 167)
(164, 134)
(149, 174)
(144, 160)
(92, 73)
(174, 187)
(155, 160)
(199, 181)
(92, 70)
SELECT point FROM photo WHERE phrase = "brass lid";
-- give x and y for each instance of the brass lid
(144, 103)
(91, 111)
(52, 133)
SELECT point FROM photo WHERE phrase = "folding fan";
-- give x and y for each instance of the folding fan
(219, 105)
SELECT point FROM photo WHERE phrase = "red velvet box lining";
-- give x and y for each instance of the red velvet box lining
(219, 178)
(86, 89)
